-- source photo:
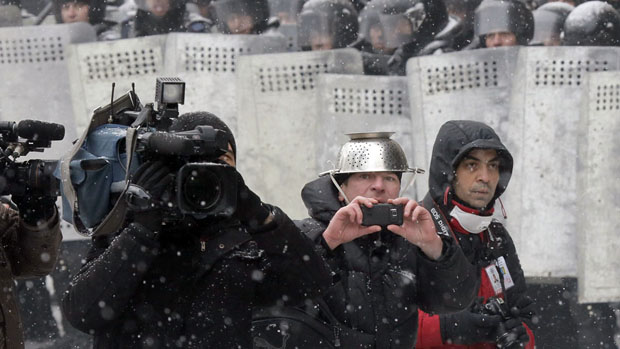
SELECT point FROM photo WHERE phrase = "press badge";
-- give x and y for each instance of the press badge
(503, 268)
(494, 278)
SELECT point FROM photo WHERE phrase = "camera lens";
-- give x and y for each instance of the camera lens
(201, 189)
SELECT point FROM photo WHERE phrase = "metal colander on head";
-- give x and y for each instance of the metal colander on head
(371, 152)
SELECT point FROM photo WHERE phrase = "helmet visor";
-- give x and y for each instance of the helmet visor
(397, 30)
(547, 29)
(285, 10)
(236, 17)
(313, 30)
(158, 8)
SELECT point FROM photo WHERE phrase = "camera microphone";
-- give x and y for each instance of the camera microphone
(34, 129)
(170, 144)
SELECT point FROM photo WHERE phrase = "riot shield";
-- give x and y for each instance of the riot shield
(34, 69)
(359, 103)
(598, 189)
(95, 66)
(278, 107)
(542, 134)
(470, 85)
(10, 16)
(207, 64)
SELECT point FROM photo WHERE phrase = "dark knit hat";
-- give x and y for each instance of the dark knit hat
(189, 121)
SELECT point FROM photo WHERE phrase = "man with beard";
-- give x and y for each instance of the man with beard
(470, 169)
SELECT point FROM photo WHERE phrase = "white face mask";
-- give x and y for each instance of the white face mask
(476, 224)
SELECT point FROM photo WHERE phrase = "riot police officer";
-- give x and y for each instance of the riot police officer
(549, 23)
(242, 16)
(326, 25)
(503, 23)
(593, 23)
(403, 29)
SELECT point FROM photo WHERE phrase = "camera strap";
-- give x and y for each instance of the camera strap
(441, 222)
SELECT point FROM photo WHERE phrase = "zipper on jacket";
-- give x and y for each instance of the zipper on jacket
(203, 245)
(336, 336)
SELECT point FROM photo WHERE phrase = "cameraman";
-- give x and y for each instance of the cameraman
(385, 273)
(470, 169)
(29, 244)
(191, 284)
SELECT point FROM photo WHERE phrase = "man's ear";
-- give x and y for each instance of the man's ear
(340, 197)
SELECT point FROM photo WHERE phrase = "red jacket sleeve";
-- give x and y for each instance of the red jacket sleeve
(429, 333)
(532, 343)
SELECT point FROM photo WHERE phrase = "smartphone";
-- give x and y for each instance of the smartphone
(382, 215)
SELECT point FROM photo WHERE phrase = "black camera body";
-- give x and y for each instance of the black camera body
(382, 215)
(504, 338)
(203, 186)
(18, 139)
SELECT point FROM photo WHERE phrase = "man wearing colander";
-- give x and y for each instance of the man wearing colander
(383, 273)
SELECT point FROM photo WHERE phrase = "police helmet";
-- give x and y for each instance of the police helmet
(331, 20)
(403, 21)
(96, 9)
(511, 16)
(593, 23)
(229, 11)
(549, 23)
(285, 10)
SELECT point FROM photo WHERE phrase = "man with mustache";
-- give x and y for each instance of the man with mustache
(470, 169)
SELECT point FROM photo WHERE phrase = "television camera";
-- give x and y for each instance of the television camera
(202, 187)
(17, 139)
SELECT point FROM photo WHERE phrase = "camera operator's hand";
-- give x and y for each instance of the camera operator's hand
(149, 183)
(346, 225)
(467, 327)
(250, 208)
(418, 227)
(35, 208)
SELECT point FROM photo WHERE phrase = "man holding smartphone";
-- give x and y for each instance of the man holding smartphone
(384, 271)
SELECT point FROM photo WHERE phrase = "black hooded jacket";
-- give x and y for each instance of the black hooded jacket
(190, 290)
(456, 139)
(384, 278)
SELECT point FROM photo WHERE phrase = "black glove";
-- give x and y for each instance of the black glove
(250, 209)
(524, 308)
(467, 327)
(148, 193)
(512, 334)
(35, 208)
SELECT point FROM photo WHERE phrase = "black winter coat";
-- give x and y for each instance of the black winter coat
(384, 278)
(455, 140)
(184, 290)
